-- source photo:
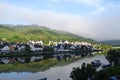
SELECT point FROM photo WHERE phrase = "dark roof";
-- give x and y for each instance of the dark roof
(37, 46)
(58, 46)
(1, 46)
(6, 44)
(20, 45)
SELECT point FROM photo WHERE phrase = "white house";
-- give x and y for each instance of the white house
(5, 49)
(72, 47)
(39, 42)
(35, 47)
(33, 42)
(66, 42)
(22, 48)
(32, 48)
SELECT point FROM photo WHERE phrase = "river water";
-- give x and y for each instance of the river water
(62, 72)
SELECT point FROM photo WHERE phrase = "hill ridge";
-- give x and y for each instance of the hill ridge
(34, 32)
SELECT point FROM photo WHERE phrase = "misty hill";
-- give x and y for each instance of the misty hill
(112, 42)
(34, 32)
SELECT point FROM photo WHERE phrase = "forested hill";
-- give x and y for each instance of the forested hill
(112, 42)
(34, 32)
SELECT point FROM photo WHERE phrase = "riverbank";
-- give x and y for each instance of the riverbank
(35, 66)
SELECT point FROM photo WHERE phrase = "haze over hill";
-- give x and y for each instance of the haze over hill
(35, 32)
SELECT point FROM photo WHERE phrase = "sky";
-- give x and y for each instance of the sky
(95, 19)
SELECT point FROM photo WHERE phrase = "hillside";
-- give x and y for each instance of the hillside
(112, 42)
(25, 33)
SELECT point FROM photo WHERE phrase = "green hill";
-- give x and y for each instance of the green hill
(25, 33)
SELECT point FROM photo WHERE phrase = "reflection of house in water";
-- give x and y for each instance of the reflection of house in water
(5, 60)
(43, 79)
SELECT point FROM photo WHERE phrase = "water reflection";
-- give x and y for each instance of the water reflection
(54, 73)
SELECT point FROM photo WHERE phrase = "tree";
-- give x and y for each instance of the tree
(86, 71)
(102, 75)
(27, 48)
(114, 56)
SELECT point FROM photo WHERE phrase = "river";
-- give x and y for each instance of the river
(62, 72)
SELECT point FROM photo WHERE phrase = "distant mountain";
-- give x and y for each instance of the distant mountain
(112, 42)
(25, 33)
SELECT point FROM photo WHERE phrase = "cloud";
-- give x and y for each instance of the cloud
(107, 24)
(88, 2)
(98, 10)
(97, 4)
(54, 1)
(69, 22)
(104, 26)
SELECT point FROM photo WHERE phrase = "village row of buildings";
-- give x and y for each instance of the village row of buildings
(39, 46)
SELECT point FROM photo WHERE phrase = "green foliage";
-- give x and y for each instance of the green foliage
(23, 33)
(104, 47)
(48, 49)
(102, 75)
(86, 71)
(114, 56)
(107, 73)
(47, 52)
(27, 48)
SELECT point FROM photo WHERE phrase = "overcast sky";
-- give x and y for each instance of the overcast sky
(96, 19)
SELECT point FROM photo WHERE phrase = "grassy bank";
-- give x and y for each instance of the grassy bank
(35, 66)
